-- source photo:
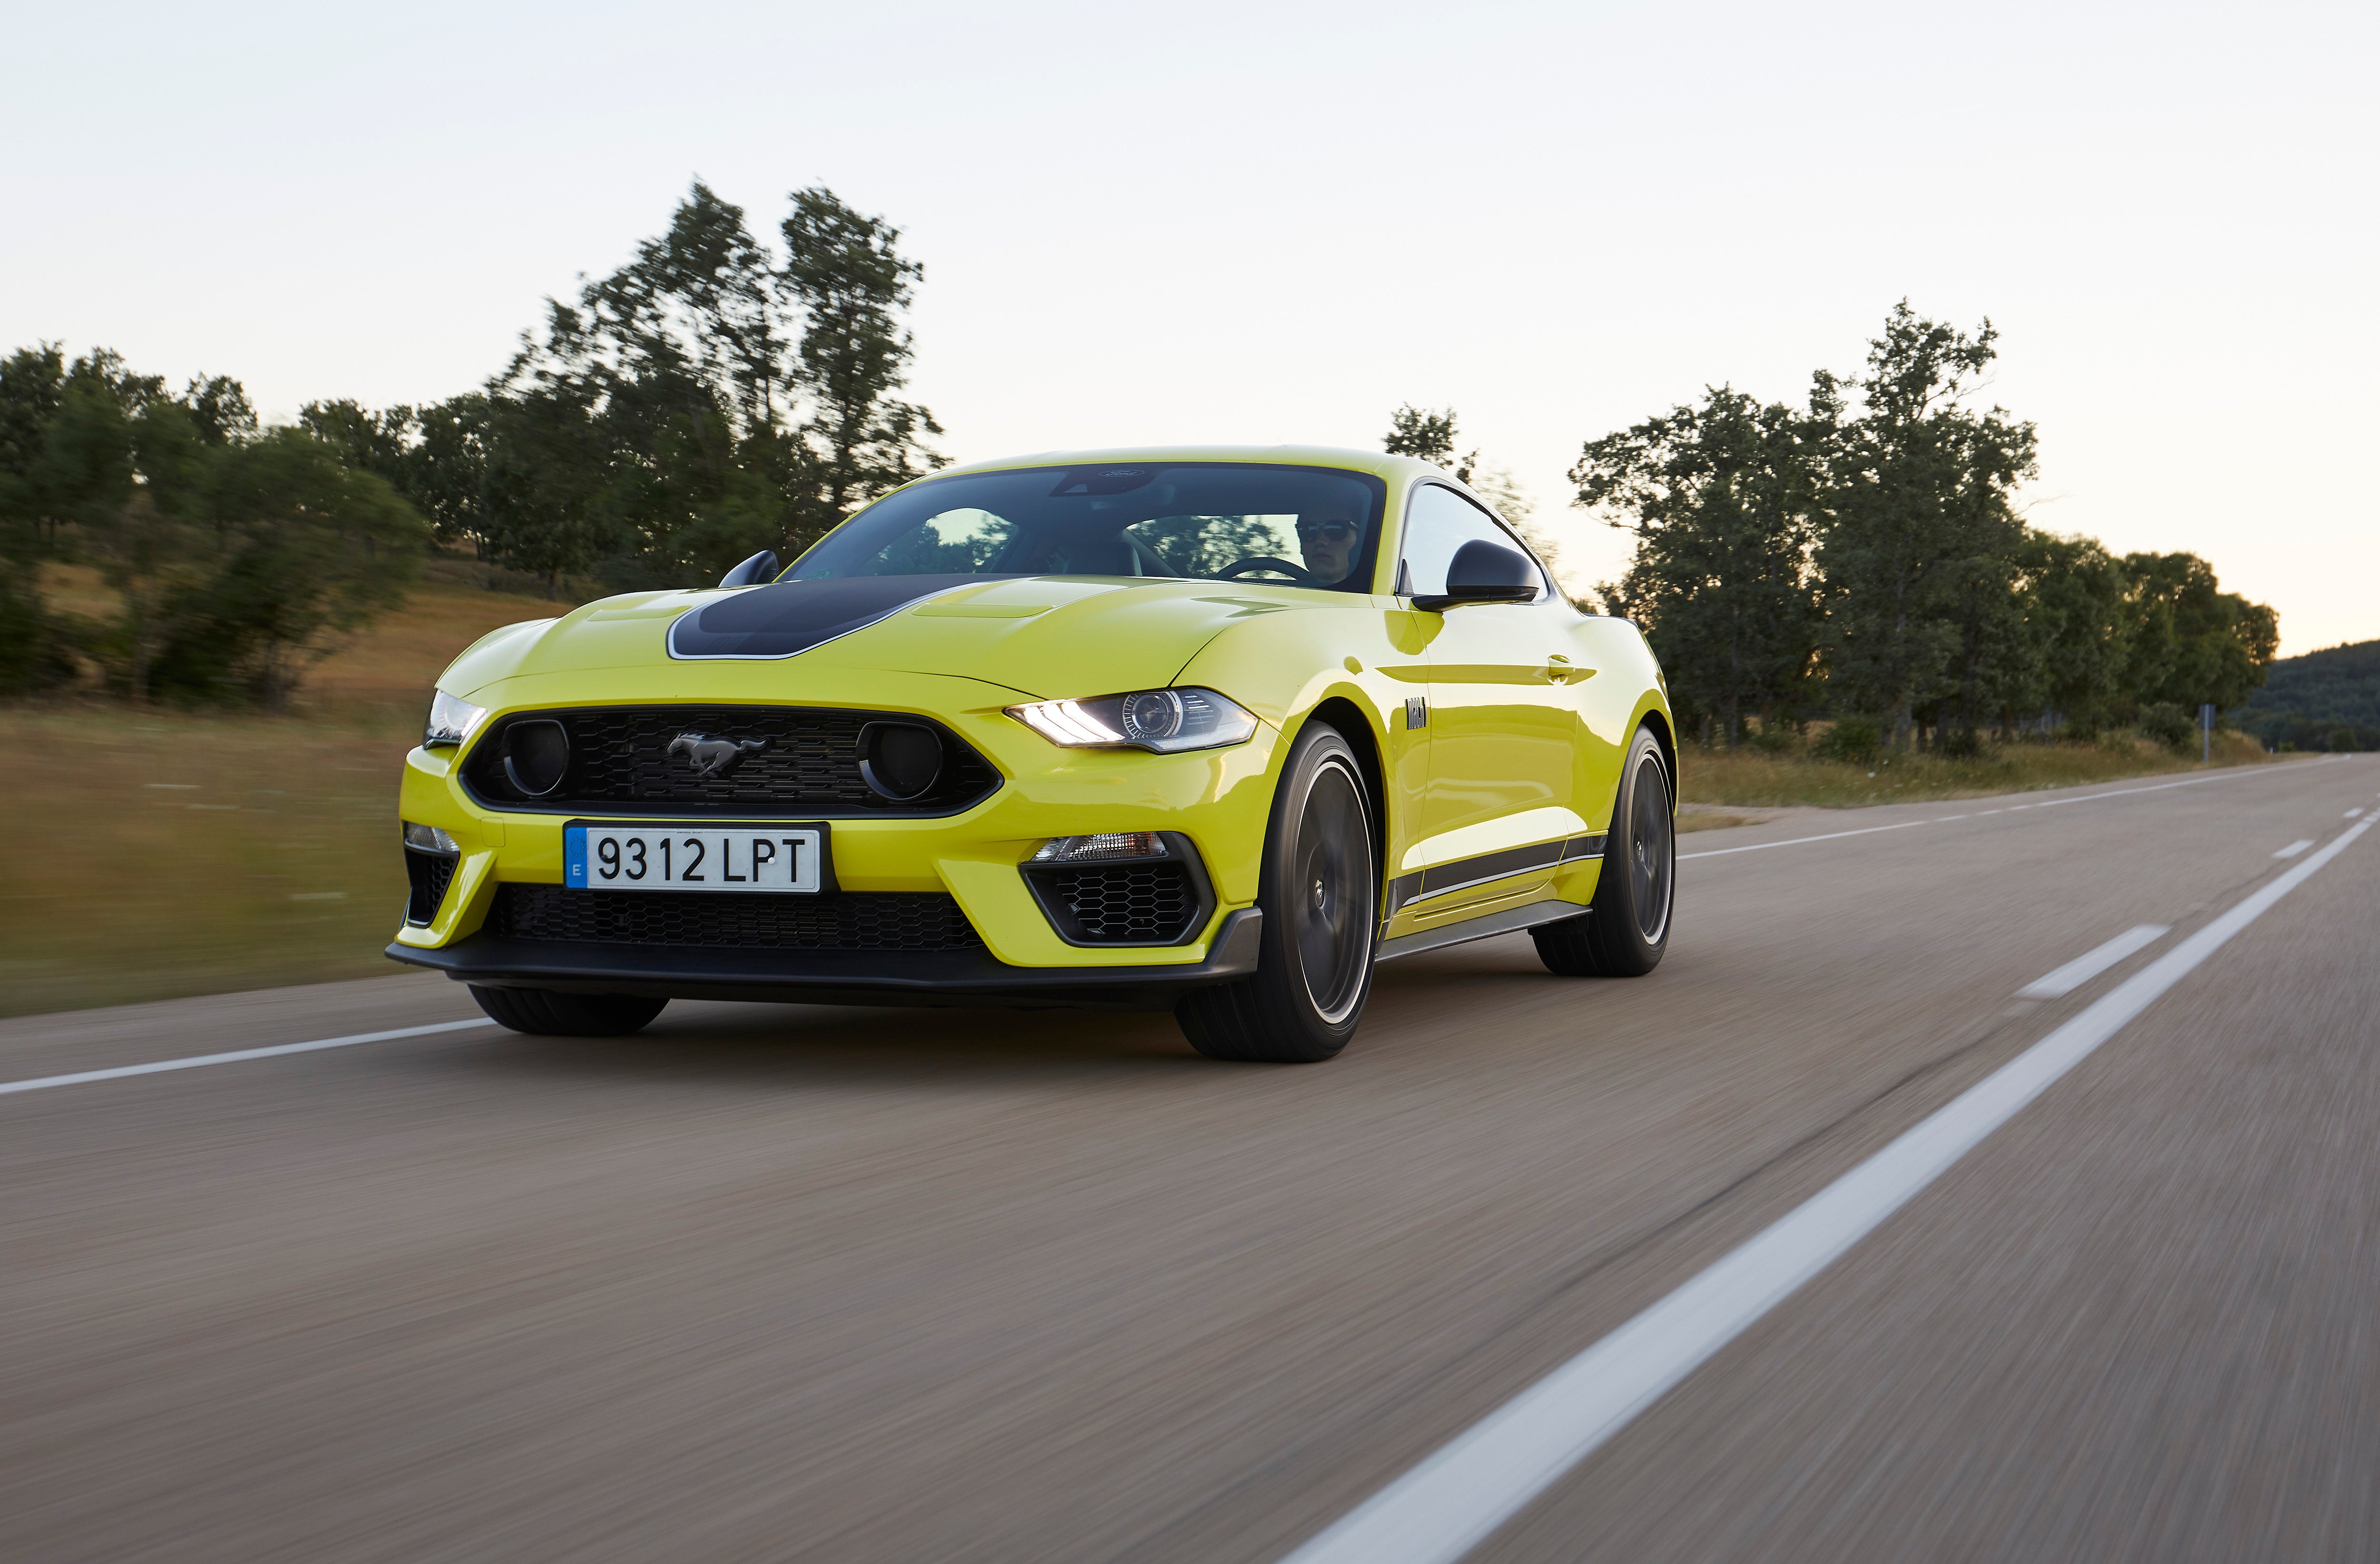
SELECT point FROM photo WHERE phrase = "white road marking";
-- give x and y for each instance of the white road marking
(1440, 1509)
(2046, 804)
(196, 1060)
(2086, 967)
(2353, 812)
(2295, 847)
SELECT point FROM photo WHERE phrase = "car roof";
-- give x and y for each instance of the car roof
(1395, 469)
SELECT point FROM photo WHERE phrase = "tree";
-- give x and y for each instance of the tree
(32, 383)
(1428, 436)
(703, 402)
(236, 555)
(1919, 534)
(2191, 641)
(1721, 498)
(2073, 597)
(304, 548)
(436, 456)
(851, 284)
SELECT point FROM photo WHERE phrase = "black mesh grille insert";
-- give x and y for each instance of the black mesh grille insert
(792, 761)
(430, 873)
(1122, 903)
(851, 921)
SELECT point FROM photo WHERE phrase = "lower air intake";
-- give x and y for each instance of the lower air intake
(851, 921)
(1142, 903)
(427, 876)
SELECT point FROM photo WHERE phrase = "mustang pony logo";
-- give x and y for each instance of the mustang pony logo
(714, 757)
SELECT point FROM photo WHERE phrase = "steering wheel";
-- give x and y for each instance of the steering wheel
(1239, 568)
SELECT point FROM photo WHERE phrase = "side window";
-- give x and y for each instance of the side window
(1439, 522)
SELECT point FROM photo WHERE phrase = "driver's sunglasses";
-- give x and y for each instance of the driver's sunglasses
(1335, 531)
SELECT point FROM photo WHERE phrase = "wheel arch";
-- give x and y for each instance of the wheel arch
(1658, 721)
(1346, 718)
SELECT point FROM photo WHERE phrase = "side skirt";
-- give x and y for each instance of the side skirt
(1487, 926)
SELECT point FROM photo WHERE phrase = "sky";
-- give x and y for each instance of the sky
(1276, 223)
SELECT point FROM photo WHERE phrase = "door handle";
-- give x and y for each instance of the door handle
(1560, 671)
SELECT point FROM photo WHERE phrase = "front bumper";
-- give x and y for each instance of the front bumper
(1218, 799)
(835, 977)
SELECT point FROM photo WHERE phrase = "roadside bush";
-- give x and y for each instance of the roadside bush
(1963, 743)
(1854, 740)
(2169, 726)
(36, 646)
(1774, 739)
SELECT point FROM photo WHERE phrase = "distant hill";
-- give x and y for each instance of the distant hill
(2308, 699)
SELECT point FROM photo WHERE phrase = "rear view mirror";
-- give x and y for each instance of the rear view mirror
(1484, 572)
(757, 569)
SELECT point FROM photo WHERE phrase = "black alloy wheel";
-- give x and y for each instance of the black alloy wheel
(1320, 897)
(1628, 931)
(546, 1012)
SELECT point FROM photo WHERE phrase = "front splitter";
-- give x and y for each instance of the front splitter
(833, 977)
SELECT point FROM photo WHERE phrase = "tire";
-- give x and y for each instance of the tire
(1636, 895)
(544, 1012)
(1320, 894)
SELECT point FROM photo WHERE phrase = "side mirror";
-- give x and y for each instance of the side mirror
(1484, 572)
(753, 571)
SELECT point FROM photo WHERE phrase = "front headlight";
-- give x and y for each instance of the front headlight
(451, 721)
(1162, 720)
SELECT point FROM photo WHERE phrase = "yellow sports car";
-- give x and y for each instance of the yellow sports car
(1205, 730)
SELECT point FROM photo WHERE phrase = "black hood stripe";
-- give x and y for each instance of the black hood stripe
(787, 617)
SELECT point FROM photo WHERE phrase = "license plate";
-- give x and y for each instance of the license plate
(639, 856)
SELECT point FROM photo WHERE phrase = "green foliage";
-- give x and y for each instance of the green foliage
(2310, 700)
(1865, 554)
(237, 555)
(1722, 498)
(2191, 641)
(1853, 740)
(1918, 544)
(2169, 724)
(705, 401)
(304, 548)
(2075, 601)
(1429, 436)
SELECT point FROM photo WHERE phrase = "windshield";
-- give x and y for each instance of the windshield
(1300, 526)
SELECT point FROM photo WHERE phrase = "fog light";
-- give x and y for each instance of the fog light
(1106, 844)
(429, 839)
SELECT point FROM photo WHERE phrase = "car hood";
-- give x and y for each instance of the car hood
(1044, 636)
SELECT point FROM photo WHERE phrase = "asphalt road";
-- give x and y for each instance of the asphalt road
(824, 1284)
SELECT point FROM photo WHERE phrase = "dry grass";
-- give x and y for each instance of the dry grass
(1702, 817)
(1752, 778)
(387, 670)
(164, 854)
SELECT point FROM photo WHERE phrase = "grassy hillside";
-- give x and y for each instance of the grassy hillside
(199, 853)
(2308, 699)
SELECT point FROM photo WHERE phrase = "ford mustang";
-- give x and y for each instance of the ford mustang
(1213, 731)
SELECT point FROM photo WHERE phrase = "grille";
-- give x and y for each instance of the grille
(851, 921)
(620, 759)
(1122, 903)
(430, 873)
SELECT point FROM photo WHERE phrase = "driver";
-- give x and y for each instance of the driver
(1330, 541)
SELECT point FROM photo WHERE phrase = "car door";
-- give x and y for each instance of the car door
(1502, 724)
